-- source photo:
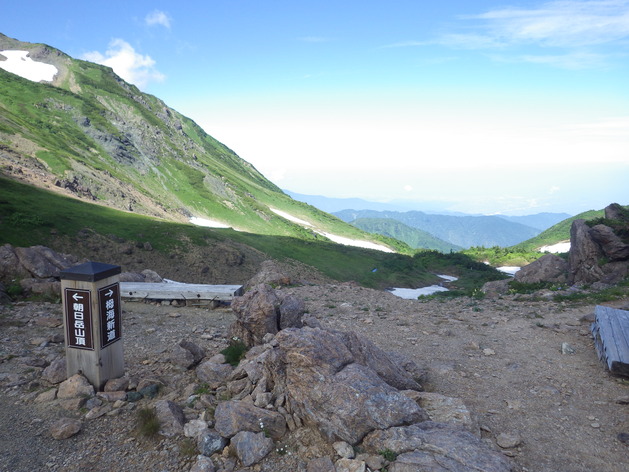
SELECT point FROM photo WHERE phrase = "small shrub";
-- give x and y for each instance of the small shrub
(148, 423)
(388, 454)
(235, 352)
(188, 448)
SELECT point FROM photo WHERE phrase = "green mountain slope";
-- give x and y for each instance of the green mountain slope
(92, 135)
(557, 233)
(463, 231)
(414, 237)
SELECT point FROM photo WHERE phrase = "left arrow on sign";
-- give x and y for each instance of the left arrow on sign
(77, 297)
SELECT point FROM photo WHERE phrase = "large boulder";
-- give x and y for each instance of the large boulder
(611, 245)
(257, 313)
(584, 255)
(43, 262)
(548, 268)
(326, 386)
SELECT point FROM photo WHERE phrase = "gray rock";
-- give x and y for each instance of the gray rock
(171, 418)
(65, 428)
(181, 357)
(117, 385)
(320, 464)
(43, 262)
(548, 268)
(250, 447)
(291, 311)
(198, 353)
(508, 440)
(76, 386)
(210, 442)
(269, 274)
(55, 372)
(436, 447)
(350, 465)
(610, 243)
(344, 450)
(194, 428)
(213, 374)
(584, 255)
(233, 416)
(496, 288)
(203, 464)
(257, 313)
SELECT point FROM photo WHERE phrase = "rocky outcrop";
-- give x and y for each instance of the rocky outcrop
(548, 268)
(598, 254)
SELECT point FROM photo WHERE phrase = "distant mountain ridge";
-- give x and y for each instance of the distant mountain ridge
(463, 231)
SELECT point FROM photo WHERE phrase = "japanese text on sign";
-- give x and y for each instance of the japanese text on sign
(110, 319)
(78, 319)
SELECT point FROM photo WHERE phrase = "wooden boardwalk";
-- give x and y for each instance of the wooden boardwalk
(179, 291)
(611, 337)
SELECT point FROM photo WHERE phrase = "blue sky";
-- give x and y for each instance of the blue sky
(477, 106)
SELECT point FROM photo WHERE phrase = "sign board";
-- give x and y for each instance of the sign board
(110, 314)
(78, 305)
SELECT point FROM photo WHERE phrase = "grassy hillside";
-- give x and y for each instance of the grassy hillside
(557, 233)
(415, 238)
(31, 216)
(94, 136)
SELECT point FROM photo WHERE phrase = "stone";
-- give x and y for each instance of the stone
(65, 428)
(269, 274)
(320, 464)
(350, 465)
(210, 442)
(43, 262)
(10, 267)
(346, 400)
(443, 409)
(98, 411)
(291, 311)
(250, 447)
(182, 357)
(548, 268)
(233, 416)
(194, 428)
(116, 385)
(436, 447)
(203, 464)
(171, 418)
(151, 276)
(213, 374)
(496, 288)
(112, 397)
(257, 313)
(508, 440)
(344, 450)
(74, 387)
(56, 372)
(612, 246)
(198, 353)
(47, 396)
(584, 255)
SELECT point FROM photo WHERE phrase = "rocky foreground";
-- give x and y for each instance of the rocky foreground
(357, 380)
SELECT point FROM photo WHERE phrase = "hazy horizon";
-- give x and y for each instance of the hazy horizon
(473, 107)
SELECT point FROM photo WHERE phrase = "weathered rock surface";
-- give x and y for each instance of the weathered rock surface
(250, 447)
(436, 447)
(548, 268)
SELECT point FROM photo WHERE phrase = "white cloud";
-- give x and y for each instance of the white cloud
(127, 63)
(158, 17)
(561, 23)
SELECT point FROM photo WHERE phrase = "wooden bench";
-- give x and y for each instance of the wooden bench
(180, 291)
(611, 337)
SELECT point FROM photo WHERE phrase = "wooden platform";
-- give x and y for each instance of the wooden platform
(611, 337)
(179, 291)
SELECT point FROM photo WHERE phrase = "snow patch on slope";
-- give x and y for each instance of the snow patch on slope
(20, 64)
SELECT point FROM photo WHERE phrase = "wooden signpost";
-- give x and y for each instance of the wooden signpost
(93, 322)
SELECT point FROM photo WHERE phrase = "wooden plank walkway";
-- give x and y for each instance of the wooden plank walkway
(611, 337)
(179, 291)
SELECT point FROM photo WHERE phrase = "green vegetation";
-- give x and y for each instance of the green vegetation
(31, 216)
(503, 256)
(235, 352)
(148, 423)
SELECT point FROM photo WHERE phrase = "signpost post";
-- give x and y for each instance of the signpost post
(93, 322)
